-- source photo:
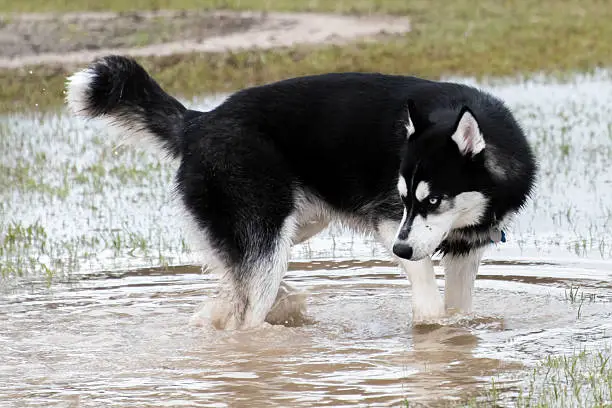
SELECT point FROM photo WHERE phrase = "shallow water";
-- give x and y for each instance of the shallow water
(125, 341)
(99, 225)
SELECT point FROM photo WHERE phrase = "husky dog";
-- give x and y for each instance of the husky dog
(425, 166)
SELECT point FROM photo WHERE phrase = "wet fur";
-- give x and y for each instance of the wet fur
(272, 165)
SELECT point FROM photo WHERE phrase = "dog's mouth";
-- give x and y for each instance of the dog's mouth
(419, 258)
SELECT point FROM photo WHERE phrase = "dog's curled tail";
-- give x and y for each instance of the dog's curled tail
(119, 90)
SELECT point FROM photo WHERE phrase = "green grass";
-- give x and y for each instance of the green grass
(487, 38)
(580, 380)
(357, 6)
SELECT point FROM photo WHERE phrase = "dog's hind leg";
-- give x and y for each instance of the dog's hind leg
(250, 285)
(290, 307)
(460, 271)
(260, 284)
(427, 305)
(256, 281)
(241, 198)
(308, 229)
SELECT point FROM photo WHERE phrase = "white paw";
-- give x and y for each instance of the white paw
(216, 313)
(458, 310)
(428, 310)
(289, 308)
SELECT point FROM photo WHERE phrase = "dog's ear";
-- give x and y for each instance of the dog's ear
(467, 134)
(414, 120)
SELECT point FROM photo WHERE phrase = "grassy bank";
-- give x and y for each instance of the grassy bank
(488, 38)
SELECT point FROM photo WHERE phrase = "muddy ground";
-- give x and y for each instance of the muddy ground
(27, 39)
(39, 34)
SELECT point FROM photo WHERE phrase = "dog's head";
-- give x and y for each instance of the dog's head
(443, 180)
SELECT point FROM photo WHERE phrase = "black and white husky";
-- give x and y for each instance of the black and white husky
(425, 166)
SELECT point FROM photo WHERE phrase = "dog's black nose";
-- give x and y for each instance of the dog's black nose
(402, 250)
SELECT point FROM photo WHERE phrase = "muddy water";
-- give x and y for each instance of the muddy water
(125, 341)
(98, 224)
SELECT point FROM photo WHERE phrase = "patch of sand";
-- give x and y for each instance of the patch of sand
(188, 32)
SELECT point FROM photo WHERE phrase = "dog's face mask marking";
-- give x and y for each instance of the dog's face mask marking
(402, 187)
(422, 191)
(434, 184)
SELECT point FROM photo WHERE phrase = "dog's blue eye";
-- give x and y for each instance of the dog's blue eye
(434, 201)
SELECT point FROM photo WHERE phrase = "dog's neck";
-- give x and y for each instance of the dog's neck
(464, 240)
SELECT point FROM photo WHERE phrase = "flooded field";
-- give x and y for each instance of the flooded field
(97, 282)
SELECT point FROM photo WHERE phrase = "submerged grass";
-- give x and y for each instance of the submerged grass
(580, 380)
(55, 217)
(488, 38)
(121, 203)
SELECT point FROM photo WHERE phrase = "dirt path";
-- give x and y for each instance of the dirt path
(31, 39)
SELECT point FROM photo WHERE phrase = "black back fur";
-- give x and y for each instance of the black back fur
(340, 137)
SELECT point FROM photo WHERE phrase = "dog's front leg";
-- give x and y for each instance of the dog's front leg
(460, 271)
(427, 305)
